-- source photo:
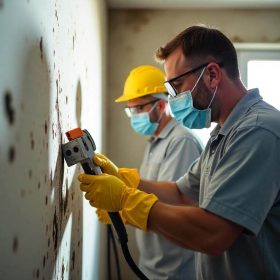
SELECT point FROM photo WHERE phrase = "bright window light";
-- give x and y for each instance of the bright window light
(264, 74)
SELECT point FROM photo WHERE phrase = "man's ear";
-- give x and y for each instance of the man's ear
(214, 74)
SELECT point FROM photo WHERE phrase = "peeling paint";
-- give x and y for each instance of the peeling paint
(9, 110)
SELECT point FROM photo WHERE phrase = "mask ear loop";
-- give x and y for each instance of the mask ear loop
(198, 79)
(214, 94)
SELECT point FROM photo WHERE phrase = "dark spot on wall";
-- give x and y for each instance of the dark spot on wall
(79, 104)
(32, 142)
(44, 261)
(56, 15)
(9, 110)
(15, 245)
(79, 243)
(66, 99)
(136, 19)
(12, 154)
(237, 39)
(62, 270)
(73, 260)
(73, 42)
(46, 200)
(53, 30)
(45, 178)
(30, 173)
(41, 48)
(37, 273)
(57, 90)
(66, 197)
(49, 243)
(55, 230)
(46, 127)
(1, 4)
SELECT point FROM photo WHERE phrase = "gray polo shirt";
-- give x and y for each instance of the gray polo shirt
(238, 178)
(167, 158)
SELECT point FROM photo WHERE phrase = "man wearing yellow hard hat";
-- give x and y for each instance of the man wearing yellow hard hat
(170, 150)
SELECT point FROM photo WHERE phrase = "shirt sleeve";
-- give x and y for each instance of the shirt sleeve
(181, 152)
(245, 183)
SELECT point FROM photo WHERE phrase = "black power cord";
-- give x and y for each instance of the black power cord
(122, 236)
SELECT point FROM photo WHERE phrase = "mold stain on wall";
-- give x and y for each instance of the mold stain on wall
(9, 109)
(41, 48)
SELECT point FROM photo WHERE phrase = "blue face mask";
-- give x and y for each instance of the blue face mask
(141, 123)
(184, 112)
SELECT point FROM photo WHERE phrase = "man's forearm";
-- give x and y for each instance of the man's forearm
(167, 192)
(193, 228)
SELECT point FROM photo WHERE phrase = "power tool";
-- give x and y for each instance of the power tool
(81, 149)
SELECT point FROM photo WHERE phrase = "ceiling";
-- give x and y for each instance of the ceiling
(201, 4)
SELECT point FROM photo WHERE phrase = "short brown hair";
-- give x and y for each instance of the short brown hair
(202, 42)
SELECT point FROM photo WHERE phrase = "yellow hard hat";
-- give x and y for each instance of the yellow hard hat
(143, 80)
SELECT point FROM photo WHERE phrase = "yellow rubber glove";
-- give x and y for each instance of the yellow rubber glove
(111, 194)
(129, 175)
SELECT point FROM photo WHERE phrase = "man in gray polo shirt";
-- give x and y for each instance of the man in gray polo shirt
(235, 228)
(170, 150)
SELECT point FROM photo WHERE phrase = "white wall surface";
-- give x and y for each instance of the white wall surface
(51, 80)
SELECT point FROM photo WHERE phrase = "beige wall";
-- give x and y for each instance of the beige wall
(133, 37)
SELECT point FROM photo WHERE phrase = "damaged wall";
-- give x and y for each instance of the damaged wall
(51, 68)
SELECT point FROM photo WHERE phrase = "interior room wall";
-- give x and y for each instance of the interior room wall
(52, 59)
(134, 35)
